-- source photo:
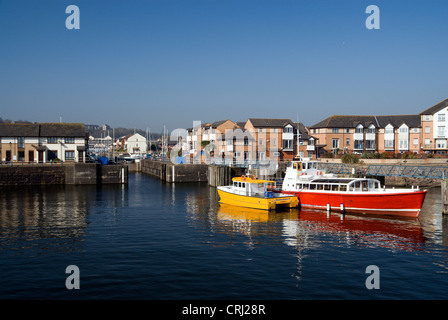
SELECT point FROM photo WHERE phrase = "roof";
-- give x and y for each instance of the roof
(351, 121)
(251, 180)
(62, 130)
(42, 130)
(343, 121)
(411, 120)
(302, 130)
(435, 108)
(257, 122)
(220, 122)
(19, 130)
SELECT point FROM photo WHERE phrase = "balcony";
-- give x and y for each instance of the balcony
(310, 147)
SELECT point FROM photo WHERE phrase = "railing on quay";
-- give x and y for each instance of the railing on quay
(396, 170)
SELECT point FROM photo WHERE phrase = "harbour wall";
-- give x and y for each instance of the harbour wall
(74, 174)
(169, 172)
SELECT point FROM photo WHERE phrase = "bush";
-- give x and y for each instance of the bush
(409, 155)
(349, 158)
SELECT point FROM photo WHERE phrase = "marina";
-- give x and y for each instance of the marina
(149, 239)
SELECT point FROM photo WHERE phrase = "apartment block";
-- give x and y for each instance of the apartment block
(256, 139)
(426, 132)
(358, 134)
(434, 122)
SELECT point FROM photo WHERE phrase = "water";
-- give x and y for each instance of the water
(151, 240)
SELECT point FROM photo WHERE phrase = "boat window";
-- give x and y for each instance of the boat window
(239, 184)
(371, 184)
(343, 187)
(305, 187)
(334, 187)
(327, 187)
(320, 187)
(351, 187)
(358, 185)
(377, 185)
(235, 184)
(312, 187)
(364, 186)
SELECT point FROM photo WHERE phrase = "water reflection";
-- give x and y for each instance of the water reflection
(302, 228)
(42, 219)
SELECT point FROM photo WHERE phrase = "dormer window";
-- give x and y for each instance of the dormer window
(288, 129)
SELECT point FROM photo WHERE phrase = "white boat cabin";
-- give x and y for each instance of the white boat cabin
(338, 185)
(251, 187)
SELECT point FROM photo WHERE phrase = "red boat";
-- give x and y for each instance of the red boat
(318, 190)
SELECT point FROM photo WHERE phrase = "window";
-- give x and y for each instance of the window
(260, 155)
(427, 129)
(388, 143)
(69, 140)
(69, 155)
(404, 144)
(311, 142)
(274, 130)
(335, 143)
(288, 129)
(441, 131)
(21, 143)
(260, 129)
(441, 144)
(370, 144)
(246, 141)
(52, 140)
(427, 118)
(347, 130)
(441, 117)
(415, 142)
(427, 141)
(21, 155)
(404, 129)
(371, 129)
(274, 142)
(287, 144)
(389, 129)
(335, 130)
(347, 142)
(260, 142)
(359, 129)
(359, 144)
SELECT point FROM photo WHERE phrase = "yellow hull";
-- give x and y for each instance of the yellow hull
(257, 202)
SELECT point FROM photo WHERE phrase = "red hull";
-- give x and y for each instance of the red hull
(407, 204)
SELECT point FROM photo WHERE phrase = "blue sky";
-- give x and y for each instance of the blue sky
(168, 62)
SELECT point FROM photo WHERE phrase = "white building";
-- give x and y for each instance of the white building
(136, 145)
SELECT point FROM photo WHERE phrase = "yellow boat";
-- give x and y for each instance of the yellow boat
(253, 193)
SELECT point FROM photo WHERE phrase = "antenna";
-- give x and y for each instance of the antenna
(298, 135)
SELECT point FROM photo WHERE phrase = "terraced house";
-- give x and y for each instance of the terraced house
(426, 132)
(43, 142)
(256, 139)
(434, 122)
